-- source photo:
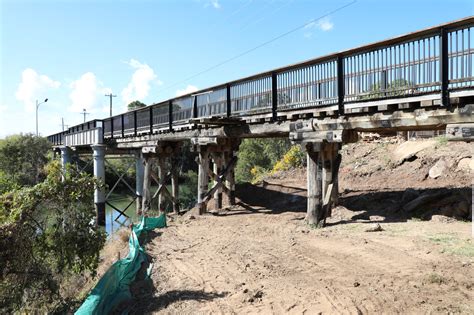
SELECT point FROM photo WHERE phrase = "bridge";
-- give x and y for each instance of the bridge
(418, 81)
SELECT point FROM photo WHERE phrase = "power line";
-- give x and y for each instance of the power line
(260, 45)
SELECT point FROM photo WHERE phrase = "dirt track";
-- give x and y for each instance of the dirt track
(250, 259)
(243, 262)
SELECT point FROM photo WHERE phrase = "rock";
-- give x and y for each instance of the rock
(375, 228)
(356, 284)
(465, 164)
(409, 195)
(409, 149)
(441, 219)
(424, 198)
(438, 169)
(376, 218)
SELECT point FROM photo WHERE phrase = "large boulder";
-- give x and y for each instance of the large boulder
(408, 149)
(438, 169)
(466, 164)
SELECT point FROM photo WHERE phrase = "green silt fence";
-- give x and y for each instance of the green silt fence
(114, 286)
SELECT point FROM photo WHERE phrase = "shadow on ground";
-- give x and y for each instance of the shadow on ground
(390, 206)
(161, 301)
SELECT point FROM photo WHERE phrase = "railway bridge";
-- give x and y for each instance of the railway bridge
(418, 81)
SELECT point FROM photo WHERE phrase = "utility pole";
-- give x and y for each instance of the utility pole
(110, 96)
(62, 123)
(84, 112)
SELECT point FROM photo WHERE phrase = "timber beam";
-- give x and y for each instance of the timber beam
(460, 132)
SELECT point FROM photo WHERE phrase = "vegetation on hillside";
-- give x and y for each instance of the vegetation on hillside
(47, 230)
(261, 157)
(22, 160)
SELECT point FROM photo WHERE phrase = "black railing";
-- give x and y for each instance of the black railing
(435, 60)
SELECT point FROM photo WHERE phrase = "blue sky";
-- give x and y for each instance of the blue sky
(74, 52)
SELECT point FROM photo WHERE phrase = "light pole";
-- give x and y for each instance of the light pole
(37, 105)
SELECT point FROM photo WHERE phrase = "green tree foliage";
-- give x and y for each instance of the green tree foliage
(135, 105)
(259, 153)
(22, 160)
(46, 232)
(396, 87)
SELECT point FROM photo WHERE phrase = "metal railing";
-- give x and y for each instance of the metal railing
(434, 60)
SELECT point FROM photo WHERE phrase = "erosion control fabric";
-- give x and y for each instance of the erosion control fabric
(114, 286)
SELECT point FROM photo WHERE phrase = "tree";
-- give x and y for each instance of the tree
(23, 157)
(47, 232)
(259, 153)
(135, 105)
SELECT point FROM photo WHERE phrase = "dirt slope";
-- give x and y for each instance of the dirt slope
(260, 257)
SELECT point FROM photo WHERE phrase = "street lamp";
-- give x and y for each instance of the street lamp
(37, 105)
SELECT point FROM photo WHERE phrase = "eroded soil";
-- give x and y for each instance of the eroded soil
(260, 256)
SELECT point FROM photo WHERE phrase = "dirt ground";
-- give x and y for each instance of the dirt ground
(260, 257)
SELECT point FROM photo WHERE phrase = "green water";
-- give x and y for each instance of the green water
(114, 220)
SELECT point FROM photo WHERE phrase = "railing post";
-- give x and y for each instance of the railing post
(340, 84)
(229, 103)
(274, 96)
(123, 127)
(111, 127)
(444, 64)
(151, 119)
(170, 114)
(135, 123)
(195, 111)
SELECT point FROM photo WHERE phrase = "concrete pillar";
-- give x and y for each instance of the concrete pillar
(99, 174)
(66, 158)
(139, 175)
(203, 178)
(146, 202)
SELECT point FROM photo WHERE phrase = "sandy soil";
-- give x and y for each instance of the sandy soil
(260, 257)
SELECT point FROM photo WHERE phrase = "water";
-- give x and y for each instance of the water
(113, 219)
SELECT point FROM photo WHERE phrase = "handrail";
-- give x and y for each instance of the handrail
(433, 60)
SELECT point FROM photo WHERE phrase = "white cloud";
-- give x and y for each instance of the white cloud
(324, 24)
(187, 90)
(216, 4)
(86, 93)
(140, 83)
(34, 86)
(3, 109)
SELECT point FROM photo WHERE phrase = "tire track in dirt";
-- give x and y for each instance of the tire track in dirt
(261, 263)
